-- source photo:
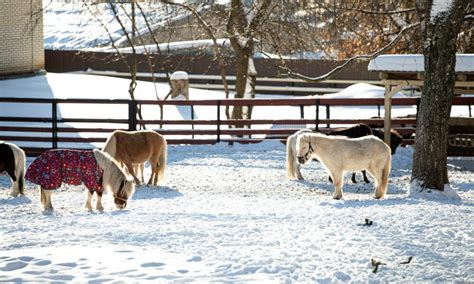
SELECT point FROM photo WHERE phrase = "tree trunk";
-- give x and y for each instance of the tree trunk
(430, 157)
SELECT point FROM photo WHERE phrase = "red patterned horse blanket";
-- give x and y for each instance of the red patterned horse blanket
(75, 167)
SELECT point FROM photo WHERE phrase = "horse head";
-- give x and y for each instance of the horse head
(115, 178)
(304, 149)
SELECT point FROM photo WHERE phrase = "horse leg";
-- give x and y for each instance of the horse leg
(15, 185)
(142, 171)
(338, 183)
(353, 178)
(154, 174)
(98, 205)
(130, 169)
(377, 174)
(298, 173)
(46, 199)
(364, 173)
(89, 199)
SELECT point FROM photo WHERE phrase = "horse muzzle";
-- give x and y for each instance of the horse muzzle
(301, 160)
(120, 203)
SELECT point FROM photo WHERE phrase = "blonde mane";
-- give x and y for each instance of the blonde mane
(114, 175)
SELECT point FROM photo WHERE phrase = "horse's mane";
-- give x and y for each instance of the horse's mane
(112, 169)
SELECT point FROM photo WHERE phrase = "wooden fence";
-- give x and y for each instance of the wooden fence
(268, 81)
(54, 131)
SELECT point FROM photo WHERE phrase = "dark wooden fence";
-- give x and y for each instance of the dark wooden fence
(52, 131)
(60, 61)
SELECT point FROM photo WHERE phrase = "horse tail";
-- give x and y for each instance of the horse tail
(291, 165)
(162, 160)
(110, 146)
(385, 174)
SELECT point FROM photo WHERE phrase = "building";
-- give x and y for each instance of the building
(21, 37)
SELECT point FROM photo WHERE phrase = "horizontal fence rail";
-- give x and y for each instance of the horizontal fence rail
(37, 133)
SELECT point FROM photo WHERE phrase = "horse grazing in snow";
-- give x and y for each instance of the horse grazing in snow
(95, 169)
(133, 148)
(13, 162)
(338, 154)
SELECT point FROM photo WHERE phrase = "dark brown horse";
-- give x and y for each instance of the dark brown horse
(395, 138)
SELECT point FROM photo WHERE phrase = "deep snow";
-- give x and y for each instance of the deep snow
(228, 214)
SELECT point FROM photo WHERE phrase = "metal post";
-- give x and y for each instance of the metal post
(132, 115)
(301, 111)
(218, 121)
(54, 124)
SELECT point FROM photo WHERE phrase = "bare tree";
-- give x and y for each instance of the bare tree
(440, 31)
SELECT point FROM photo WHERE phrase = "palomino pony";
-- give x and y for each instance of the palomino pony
(338, 154)
(137, 147)
(293, 168)
(95, 169)
(13, 162)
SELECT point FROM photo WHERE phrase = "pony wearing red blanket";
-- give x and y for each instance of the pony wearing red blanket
(95, 169)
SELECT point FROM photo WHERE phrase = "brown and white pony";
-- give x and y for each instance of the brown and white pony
(13, 162)
(339, 154)
(136, 147)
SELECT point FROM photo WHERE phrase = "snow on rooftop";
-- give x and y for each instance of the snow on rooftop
(361, 91)
(415, 63)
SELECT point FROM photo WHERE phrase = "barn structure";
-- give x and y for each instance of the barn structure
(407, 71)
(21, 37)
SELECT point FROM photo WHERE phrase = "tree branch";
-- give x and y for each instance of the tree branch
(350, 60)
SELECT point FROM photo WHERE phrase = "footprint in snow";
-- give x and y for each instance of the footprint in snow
(152, 264)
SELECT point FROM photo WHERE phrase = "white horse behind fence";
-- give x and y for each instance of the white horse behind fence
(339, 154)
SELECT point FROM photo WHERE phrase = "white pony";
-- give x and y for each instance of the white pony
(13, 162)
(338, 154)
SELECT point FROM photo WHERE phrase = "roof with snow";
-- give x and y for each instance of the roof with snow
(415, 63)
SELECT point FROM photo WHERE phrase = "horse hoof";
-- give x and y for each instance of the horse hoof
(337, 197)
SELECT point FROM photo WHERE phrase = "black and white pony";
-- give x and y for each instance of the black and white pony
(13, 162)
(339, 154)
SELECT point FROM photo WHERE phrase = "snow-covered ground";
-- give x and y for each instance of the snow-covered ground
(228, 214)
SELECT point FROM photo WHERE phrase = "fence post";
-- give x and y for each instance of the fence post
(192, 118)
(328, 116)
(54, 123)
(218, 121)
(302, 111)
(132, 115)
(317, 115)
(418, 100)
